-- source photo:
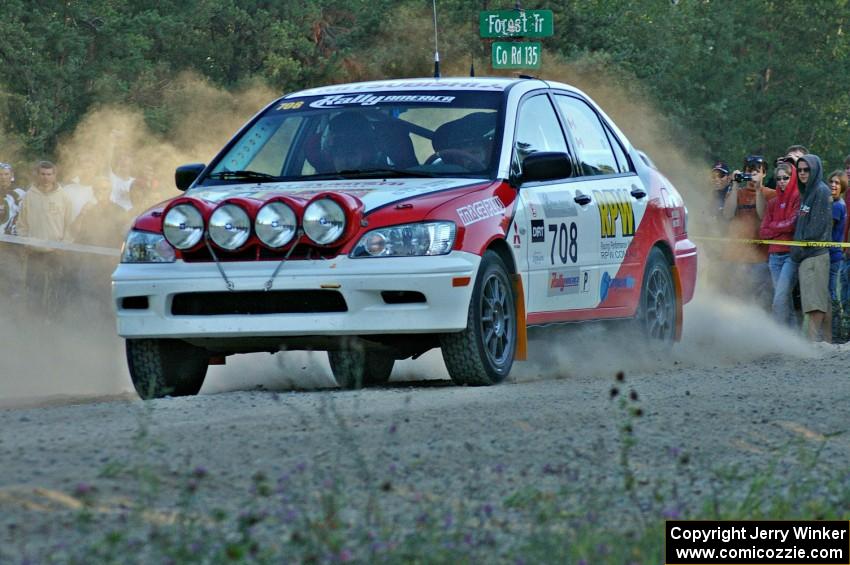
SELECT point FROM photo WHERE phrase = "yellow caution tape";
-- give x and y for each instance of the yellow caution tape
(776, 242)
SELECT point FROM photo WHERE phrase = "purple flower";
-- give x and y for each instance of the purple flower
(199, 472)
(674, 452)
(393, 428)
(672, 513)
(345, 555)
(487, 509)
(448, 521)
(84, 490)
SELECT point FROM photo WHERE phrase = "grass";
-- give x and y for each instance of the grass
(316, 514)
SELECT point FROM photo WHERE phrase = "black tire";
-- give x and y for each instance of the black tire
(483, 353)
(656, 317)
(166, 367)
(353, 368)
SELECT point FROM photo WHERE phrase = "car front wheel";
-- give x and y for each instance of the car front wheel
(166, 367)
(483, 353)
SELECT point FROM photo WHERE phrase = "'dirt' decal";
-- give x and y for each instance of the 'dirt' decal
(614, 205)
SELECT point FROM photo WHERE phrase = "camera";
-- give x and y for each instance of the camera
(743, 177)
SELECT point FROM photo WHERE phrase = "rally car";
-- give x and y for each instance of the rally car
(379, 220)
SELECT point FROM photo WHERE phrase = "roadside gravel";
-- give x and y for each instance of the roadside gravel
(424, 442)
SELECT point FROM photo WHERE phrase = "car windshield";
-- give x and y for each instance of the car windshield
(367, 135)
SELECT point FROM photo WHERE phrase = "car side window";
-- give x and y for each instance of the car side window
(537, 128)
(592, 147)
(622, 160)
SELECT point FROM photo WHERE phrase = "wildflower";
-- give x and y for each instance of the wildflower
(199, 472)
(393, 428)
(671, 513)
(633, 395)
(487, 509)
(448, 521)
(345, 555)
(621, 376)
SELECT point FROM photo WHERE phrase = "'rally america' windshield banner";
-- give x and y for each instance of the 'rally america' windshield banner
(455, 99)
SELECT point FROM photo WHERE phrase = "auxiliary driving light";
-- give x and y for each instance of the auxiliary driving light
(183, 226)
(324, 221)
(230, 227)
(275, 224)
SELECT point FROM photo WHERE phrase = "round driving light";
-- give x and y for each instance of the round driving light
(275, 224)
(324, 221)
(230, 227)
(183, 226)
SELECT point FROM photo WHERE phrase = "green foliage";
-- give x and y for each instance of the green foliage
(754, 75)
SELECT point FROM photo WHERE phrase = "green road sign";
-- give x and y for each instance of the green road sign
(519, 55)
(516, 23)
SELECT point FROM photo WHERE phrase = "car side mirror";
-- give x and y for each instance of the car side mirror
(546, 165)
(185, 175)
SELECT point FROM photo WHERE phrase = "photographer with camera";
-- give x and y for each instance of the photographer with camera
(749, 273)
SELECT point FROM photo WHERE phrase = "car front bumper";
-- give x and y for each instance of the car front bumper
(359, 281)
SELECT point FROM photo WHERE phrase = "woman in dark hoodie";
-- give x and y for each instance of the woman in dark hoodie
(814, 224)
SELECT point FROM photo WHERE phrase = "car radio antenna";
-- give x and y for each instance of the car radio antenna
(436, 47)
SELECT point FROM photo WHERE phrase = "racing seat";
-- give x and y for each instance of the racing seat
(395, 143)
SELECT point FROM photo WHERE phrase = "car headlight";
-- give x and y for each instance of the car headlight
(183, 226)
(324, 221)
(275, 224)
(146, 247)
(408, 240)
(230, 227)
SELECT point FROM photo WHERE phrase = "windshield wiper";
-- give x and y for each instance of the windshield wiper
(242, 175)
(382, 173)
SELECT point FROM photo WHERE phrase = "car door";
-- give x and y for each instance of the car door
(619, 198)
(557, 244)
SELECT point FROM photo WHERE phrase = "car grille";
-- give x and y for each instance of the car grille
(258, 302)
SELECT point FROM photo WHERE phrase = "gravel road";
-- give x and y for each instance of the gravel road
(428, 440)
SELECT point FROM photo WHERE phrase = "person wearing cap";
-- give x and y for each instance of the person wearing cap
(814, 224)
(722, 185)
(748, 261)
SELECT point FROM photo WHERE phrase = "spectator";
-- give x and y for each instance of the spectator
(11, 269)
(844, 278)
(121, 181)
(750, 276)
(814, 224)
(837, 182)
(793, 153)
(780, 218)
(10, 199)
(722, 182)
(46, 213)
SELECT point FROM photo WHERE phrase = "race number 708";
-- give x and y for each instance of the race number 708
(566, 241)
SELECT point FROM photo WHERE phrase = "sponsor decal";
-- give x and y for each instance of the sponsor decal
(517, 241)
(480, 210)
(564, 243)
(615, 205)
(538, 258)
(340, 100)
(612, 251)
(608, 284)
(585, 281)
(533, 210)
(558, 205)
(291, 105)
(538, 231)
(564, 282)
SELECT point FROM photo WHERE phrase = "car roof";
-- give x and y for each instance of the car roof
(489, 84)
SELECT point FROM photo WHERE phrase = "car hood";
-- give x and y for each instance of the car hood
(374, 194)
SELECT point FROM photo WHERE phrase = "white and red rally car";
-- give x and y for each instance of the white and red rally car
(379, 220)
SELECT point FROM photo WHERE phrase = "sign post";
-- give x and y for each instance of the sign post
(509, 24)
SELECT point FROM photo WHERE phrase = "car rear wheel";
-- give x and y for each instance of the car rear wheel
(354, 368)
(656, 316)
(483, 353)
(163, 367)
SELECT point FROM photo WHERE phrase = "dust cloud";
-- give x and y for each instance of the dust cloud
(75, 352)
